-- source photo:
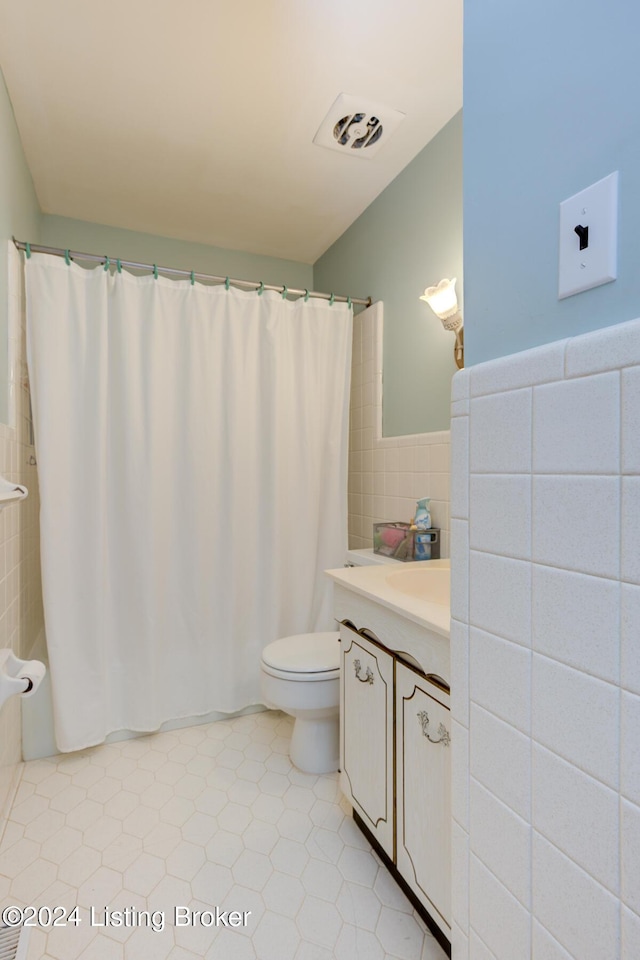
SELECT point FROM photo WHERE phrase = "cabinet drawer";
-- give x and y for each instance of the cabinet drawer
(423, 758)
(366, 733)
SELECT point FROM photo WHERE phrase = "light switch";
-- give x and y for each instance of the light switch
(589, 238)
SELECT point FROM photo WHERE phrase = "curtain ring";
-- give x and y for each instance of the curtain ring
(331, 299)
(261, 289)
(306, 295)
(284, 293)
(155, 271)
(107, 264)
(349, 302)
(118, 266)
(227, 283)
(193, 278)
(27, 250)
(67, 258)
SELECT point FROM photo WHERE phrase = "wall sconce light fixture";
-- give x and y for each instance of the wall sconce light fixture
(444, 303)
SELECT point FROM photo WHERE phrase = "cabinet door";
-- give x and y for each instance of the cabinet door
(366, 733)
(423, 791)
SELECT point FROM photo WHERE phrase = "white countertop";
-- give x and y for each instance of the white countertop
(371, 582)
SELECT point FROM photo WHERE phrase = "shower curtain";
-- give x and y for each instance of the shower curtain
(192, 455)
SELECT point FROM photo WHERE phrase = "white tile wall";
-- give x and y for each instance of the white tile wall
(631, 420)
(494, 913)
(630, 616)
(21, 617)
(576, 523)
(500, 759)
(560, 411)
(476, 948)
(500, 678)
(587, 829)
(630, 833)
(490, 496)
(509, 449)
(490, 576)
(576, 910)
(563, 702)
(388, 474)
(630, 935)
(509, 859)
(630, 746)
(553, 828)
(544, 947)
(576, 619)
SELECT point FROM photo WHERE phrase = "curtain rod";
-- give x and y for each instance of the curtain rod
(97, 258)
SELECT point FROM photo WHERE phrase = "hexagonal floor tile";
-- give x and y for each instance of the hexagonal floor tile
(252, 869)
(319, 922)
(212, 814)
(400, 935)
(276, 938)
(283, 894)
(61, 844)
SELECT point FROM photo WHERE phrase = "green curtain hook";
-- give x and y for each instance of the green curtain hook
(284, 293)
(155, 271)
(27, 250)
(331, 299)
(107, 264)
(306, 295)
(193, 278)
(227, 283)
(118, 266)
(349, 302)
(261, 289)
(67, 258)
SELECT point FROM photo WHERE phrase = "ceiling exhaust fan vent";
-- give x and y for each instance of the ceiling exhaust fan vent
(358, 130)
(356, 126)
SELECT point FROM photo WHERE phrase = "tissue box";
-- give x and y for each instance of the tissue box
(399, 541)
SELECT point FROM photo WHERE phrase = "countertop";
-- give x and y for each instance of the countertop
(371, 582)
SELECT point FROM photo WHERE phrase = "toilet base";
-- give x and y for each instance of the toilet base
(315, 744)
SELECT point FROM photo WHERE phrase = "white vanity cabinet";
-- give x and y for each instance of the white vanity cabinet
(423, 791)
(395, 763)
(366, 733)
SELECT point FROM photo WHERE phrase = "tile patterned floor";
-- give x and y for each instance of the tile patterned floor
(207, 815)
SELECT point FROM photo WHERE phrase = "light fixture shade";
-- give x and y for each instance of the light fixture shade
(444, 303)
(442, 298)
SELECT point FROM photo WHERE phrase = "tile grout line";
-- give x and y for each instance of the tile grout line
(531, 628)
(620, 698)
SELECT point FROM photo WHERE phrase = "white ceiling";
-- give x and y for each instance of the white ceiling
(195, 118)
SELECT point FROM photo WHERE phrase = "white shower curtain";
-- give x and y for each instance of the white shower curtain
(192, 456)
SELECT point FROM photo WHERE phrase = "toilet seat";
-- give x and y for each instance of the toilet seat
(304, 656)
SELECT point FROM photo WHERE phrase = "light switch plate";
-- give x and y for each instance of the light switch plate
(595, 208)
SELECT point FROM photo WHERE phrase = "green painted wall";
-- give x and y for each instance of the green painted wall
(550, 106)
(409, 238)
(147, 248)
(19, 216)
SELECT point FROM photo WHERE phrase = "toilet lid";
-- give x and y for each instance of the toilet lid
(304, 653)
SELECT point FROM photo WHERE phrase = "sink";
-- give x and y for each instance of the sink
(423, 583)
(419, 592)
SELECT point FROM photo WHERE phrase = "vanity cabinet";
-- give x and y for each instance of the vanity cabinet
(395, 763)
(423, 790)
(366, 733)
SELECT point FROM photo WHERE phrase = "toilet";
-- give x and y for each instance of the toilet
(301, 676)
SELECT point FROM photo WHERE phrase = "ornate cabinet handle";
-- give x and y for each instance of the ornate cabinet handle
(443, 733)
(368, 677)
